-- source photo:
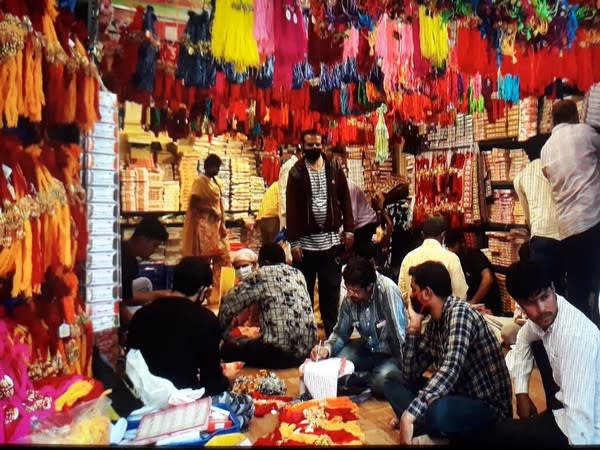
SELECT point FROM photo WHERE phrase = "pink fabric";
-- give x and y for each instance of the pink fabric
(263, 26)
(290, 41)
(351, 44)
(387, 46)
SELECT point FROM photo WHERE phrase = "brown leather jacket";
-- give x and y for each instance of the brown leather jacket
(300, 218)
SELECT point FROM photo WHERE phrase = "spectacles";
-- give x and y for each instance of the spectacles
(353, 290)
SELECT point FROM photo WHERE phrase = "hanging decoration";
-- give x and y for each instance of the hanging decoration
(196, 65)
(381, 136)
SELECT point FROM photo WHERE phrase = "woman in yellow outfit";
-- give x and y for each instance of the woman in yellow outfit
(204, 233)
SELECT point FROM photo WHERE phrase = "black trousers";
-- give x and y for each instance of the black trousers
(327, 266)
(539, 431)
(362, 238)
(256, 353)
(582, 263)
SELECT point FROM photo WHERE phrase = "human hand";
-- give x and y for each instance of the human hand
(525, 406)
(319, 352)
(348, 241)
(297, 254)
(407, 422)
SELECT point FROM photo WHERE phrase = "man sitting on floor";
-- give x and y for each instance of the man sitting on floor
(374, 307)
(570, 356)
(178, 337)
(287, 323)
(470, 385)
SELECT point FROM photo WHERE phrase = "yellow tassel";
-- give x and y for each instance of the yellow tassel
(11, 111)
(27, 260)
(19, 84)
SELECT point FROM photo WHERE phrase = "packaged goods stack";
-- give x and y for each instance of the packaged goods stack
(591, 106)
(241, 173)
(128, 199)
(502, 206)
(479, 122)
(156, 191)
(354, 164)
(191, 157)
(508, 303)
(257, 191)
(528, 117)
(504, 247)
(518, 161)
(545, 125)
(171, 196)
(512, 121)
(500, 164)
(142, 189)
(103, 261)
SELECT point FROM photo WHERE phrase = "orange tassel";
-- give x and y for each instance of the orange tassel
(4, 87)
(19, 84)
(11, 111)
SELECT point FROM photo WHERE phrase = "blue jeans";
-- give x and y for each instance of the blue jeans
(378, 364)
(449, 416)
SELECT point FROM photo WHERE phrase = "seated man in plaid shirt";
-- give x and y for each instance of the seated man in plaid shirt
(288, 329)
(469, 387)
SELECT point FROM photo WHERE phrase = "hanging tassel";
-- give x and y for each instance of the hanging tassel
(381, 136)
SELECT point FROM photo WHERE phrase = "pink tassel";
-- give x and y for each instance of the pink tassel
(263, 26)
(387, 46)
(290, 40)
(351, 44)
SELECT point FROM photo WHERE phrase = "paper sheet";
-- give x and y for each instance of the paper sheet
(321, 377)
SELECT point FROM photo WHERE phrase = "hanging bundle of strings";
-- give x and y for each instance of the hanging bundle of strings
(13, 33)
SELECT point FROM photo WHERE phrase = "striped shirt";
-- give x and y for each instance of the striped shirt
(467, 359)
(535, 194)
(318, 186)
(571, 162)
(269, 206)
(572, 343)
(381, 323)
(285, 313)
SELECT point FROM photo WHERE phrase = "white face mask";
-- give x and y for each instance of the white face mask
(243, 272)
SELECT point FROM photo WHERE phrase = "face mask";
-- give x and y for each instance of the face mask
(312, 155)
(243, 272)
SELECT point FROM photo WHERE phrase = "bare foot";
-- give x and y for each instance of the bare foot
(394, 423)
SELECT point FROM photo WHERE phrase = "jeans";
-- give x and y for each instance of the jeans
(449, 416)
(378, 364)
(549, 252)
(325, 264)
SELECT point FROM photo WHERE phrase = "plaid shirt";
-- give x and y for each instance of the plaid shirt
(467, 360)
(285, 314)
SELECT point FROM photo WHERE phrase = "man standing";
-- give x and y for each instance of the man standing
(365, 217)
(434, 230)
(535, 195)
(571, 372)
(470, 385)
(483, 286)
(571, 163)
(178, 337)
(373, 306)
(319, 206)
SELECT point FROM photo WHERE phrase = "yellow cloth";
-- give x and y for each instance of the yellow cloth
(77, 390)
(431, 249)
(269, 207)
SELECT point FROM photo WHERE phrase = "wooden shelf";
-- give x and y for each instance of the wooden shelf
(508, 143)
(149, 213)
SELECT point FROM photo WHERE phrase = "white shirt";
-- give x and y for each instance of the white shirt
(571, 163)
(431, 249)
(572, 343)
(535, 194)
(284, 173)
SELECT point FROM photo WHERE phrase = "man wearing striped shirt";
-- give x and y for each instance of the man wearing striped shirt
(572, 347)
(535, 195)
(571, 162)
(470, 385)
(318, 206)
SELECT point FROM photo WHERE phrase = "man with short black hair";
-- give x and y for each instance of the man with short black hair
(570, 367)
(147, 236)
(287, 323)
(318, 206)
(373, 306)
(470, 386)
(178, 337)
(434, 229)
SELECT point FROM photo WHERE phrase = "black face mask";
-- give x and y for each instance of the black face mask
(312, 155)
(417, 306)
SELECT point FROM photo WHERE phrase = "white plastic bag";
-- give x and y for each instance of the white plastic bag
(152, 390)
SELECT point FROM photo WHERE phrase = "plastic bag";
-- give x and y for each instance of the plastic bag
(88, 423)
(152, 390)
